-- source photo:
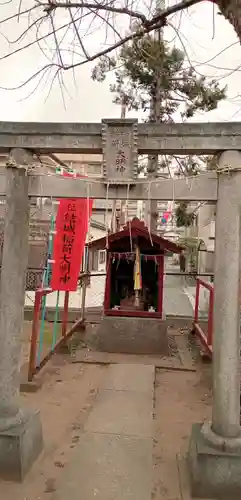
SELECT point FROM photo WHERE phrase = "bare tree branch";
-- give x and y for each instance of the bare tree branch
(148, 26)
(52, 5)
(78, 35)
(18, 14)
(145, 26)
(60, 30)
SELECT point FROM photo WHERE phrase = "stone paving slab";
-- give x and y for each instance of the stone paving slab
(137, 378)
(107, 467)
(166, 363)
(175, 301)
(113, 459)
(122, 412)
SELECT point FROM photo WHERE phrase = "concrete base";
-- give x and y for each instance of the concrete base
(130, 336)
(19, 448)
(26, 385)
(214, 474)
(33, 386)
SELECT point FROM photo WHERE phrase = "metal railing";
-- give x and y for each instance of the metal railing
(47, 337)
(205, 337)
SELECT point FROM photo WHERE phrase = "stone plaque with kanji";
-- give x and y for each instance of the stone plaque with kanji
(119, 139)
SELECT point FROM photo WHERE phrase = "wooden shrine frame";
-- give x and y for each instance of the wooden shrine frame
(141, 314)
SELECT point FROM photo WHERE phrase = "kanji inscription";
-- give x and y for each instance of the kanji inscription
(119, 149)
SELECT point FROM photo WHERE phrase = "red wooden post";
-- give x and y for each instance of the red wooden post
(65, 314)
(34, 335)
(160, 284)
(210, 318)
(197, 301)
(108, 284)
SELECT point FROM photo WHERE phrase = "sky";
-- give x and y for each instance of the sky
(201, 32)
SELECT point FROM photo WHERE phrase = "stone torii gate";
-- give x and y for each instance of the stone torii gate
(215, 448)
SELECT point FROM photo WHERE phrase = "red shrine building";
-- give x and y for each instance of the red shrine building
(134, 271)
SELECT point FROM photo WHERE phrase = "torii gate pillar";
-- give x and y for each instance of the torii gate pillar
(20, 429)
(215, 448)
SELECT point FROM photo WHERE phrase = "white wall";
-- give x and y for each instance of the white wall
(206, 232)
(206, 225)
(95, 233)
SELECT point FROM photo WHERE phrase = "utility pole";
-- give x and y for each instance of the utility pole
(151, 212)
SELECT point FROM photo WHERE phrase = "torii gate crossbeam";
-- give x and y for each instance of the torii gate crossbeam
(176, 138)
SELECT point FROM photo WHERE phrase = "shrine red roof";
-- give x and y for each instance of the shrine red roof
(134, 229)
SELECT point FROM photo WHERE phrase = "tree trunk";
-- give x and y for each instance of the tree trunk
(151, 211)
(231, 10)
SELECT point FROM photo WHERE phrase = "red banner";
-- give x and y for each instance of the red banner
(69, 242)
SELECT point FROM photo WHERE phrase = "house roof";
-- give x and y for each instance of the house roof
(97, 225)
(133, 229)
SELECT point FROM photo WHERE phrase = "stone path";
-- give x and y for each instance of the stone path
(113, 459)
(175, 300)
(180, 362)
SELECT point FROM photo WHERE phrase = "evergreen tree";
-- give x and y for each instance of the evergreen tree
(183, 217)
(182, 92)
